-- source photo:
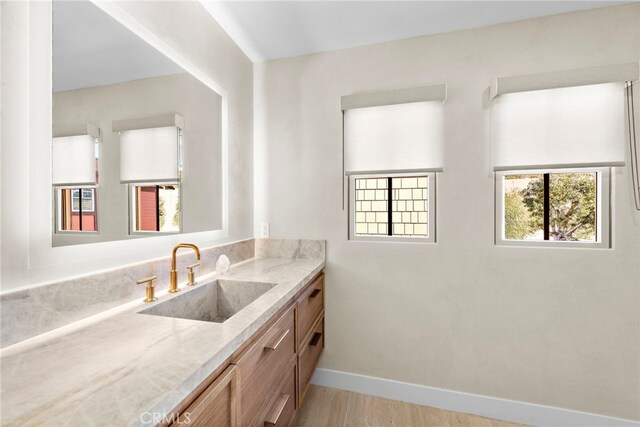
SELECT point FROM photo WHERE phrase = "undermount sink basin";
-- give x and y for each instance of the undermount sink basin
(215, 301)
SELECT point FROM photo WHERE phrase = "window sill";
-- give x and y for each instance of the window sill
(556, 244)
(391, 239)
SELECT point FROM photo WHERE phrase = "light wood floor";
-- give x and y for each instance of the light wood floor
(331, 407)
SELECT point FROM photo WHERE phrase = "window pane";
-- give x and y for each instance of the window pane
(75, 205)
(69, 216)
(572, 204)
(524, 207)
(88, 210)
(371, 214)
(410, 206)
(169, 205)
(87, 200)
(146, 208)
(157, 208)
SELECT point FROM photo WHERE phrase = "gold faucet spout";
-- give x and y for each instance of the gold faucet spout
(173, 283)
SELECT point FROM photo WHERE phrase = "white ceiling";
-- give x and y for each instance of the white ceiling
(90, 48)
(277, 29)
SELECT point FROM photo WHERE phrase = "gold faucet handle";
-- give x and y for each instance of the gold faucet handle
(149, 281)
(191, 276)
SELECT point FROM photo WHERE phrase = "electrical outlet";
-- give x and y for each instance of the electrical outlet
(264, 230)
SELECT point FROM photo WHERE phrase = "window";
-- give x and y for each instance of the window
(399, 207)
(553, 207)
(392, 149)
(553, 150)
(76, 209)
(88, 200)
(155, 208)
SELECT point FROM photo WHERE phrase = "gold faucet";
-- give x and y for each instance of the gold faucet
(173, 284)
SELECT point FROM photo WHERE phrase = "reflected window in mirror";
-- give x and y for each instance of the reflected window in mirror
(76, 210)
(155, 208)
(75, 161)
(110, 83)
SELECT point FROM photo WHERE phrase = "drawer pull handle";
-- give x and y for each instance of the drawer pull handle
(314, 293)
(316, 337)
(274, 346)
(274, 416)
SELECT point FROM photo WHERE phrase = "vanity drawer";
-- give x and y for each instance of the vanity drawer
(308, 357)
(283, 408)
(310, 305)
(215, 406)
(262, 366)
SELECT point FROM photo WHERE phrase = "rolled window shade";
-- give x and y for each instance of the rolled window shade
(149, 155)
(399, 137)
(564, 127)
(74, 160)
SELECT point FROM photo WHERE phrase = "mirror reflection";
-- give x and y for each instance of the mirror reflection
(136, 148)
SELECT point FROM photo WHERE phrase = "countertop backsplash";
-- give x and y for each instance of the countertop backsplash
(290, 248)
(26, 313)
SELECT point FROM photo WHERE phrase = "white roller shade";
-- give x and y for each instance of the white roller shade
(398, 137)
(149, 155)
(74, 160)
(573, 126)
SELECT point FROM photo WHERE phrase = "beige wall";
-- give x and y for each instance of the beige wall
(553, 326)
(201, 109)
(182, 27)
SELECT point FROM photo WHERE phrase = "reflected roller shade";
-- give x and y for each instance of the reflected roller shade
(74, 160)
(577, 126)
(149, 155)
(397, 137)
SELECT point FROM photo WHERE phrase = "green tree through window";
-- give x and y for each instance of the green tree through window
(572, 209)
(517, 217)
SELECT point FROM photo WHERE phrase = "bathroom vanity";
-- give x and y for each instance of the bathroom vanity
(242, 357)
(264, 382)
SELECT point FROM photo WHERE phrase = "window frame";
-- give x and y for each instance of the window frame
(603, 209)
(431, 212)
(57, 205)
(132, 208)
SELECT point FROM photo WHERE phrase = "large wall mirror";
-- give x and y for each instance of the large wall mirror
(137, 141)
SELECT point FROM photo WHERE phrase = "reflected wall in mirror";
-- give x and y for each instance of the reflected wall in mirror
(137, 141)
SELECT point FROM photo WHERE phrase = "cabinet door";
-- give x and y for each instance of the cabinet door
(283, 409)
(216, 406)
(262, 365)
(308, 358)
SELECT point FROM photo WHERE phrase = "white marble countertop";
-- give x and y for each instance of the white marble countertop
(115, 367)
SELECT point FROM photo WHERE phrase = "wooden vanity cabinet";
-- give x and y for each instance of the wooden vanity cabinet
(264, 382)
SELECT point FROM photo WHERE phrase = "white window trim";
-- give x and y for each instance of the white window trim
(431, 213)
(603, 210)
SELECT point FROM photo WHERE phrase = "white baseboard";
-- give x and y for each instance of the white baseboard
(486, 406)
